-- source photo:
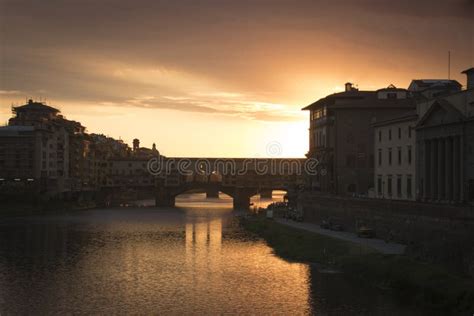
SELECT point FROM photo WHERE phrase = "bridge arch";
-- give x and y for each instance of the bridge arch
(166, 196)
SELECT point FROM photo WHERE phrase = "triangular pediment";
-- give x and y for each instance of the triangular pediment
(441, 112)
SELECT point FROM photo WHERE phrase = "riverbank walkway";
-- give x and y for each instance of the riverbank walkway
(377, 244)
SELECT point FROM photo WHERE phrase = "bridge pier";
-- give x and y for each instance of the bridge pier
(241, 198)
(241, 202)
(164, 198)
(212, 193)
(266, 194)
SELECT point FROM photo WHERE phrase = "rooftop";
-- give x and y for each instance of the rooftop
(468, 71)
(35, 106)
(423, 84)
(359, 99)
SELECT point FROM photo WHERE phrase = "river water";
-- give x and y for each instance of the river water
(193, 259)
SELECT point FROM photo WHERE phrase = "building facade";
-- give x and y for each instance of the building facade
(37, 129)
(445, 147)
(341, 136)
(42, 150)
(20, 155)
(395, 158)
(131, 172)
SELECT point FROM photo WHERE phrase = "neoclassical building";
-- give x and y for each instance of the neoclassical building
(445, 147)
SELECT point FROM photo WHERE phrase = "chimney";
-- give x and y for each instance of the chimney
(348, 86)
(136, 144)
(470, 77)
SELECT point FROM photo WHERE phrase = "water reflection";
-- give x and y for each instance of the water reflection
(190, 260)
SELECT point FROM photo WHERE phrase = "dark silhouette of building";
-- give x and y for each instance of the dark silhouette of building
(36, 139)
(56, 156)
(445, 146)
(341, 136)
(433, 88)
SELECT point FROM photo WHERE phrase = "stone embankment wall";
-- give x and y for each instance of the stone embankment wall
(438, 233)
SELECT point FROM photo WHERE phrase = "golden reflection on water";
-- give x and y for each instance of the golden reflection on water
(233, 271)
(189, 260)
(168, 263)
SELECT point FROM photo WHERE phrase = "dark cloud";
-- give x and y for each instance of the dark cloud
(254, 47)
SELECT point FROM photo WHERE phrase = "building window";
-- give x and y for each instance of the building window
(409, 131)
(380, 157)
(409, 186)
(399, 186)
(399, 133)
(317, 114)
(391, 95)
(380, 136)
(409, 155)
(389, 134)
(379, 185)
(399, 155)
(390, 156)
(389, 185)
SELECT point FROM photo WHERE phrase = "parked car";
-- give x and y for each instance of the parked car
(331, 225)
(324, 224)
(336, 227)
(295, 215)
(365, 232)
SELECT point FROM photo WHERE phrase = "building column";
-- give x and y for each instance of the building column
(456, 169)
(449, 169)
(434, 169)
(441, 166)
(427, 169)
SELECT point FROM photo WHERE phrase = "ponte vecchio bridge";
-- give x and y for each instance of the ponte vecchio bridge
(240, 178)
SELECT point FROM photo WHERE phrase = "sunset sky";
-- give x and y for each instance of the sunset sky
(219, 78)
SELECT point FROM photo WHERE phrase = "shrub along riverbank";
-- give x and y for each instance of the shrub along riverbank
(411, 281)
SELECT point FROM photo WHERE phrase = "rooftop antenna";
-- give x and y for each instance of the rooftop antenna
(449, 65)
